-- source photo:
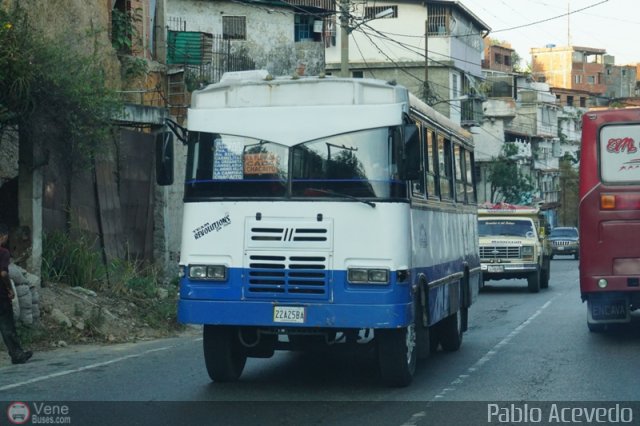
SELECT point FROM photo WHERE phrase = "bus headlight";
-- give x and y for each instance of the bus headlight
(208, 272)
(368, 276)
(602, 283)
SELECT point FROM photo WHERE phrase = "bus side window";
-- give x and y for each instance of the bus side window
(445, 172)
(459, 172)
(469, 185)
(432, 163)
(417, 185)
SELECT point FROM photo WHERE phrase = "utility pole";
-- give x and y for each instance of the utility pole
(344, 38)
(425, 89)
(568, 22)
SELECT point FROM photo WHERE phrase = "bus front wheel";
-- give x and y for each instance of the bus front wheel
(397, 355)
(224, 356)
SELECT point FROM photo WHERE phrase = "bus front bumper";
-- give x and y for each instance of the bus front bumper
(273, 314)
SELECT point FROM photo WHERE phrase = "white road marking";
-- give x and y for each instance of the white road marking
(415, 418)
(493, 351)
(77, 370)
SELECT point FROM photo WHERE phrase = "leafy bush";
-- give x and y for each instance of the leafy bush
(75, 262)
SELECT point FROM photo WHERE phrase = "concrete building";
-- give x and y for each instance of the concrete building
(274, 35)
(394, 47)
(620, 80)
(570, 67)
(497, 57)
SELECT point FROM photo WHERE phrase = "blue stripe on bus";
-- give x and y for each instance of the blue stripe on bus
(344, 305)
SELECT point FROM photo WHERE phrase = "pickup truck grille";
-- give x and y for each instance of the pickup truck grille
(564, 243)
(499, 252)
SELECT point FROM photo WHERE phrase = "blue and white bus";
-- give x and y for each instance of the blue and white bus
(321, 211)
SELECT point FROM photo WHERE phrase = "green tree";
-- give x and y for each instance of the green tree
(50, 82)
(508, 184)
(568, 211)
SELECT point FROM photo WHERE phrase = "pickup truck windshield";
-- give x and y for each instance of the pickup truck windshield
(362, 164)
(505, 228)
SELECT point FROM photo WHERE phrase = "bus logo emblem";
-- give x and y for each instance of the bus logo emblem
(618, 145)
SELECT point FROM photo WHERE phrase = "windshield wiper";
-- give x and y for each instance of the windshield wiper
(339, 194)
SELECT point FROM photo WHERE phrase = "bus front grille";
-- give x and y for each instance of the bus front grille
(287, 276)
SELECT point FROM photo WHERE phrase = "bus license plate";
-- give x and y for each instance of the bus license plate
(495, 268)
(608, 310)
(292, 314)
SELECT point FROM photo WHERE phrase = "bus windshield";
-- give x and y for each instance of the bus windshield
(361, 164)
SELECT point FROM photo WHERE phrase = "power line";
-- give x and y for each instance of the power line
(552, 18)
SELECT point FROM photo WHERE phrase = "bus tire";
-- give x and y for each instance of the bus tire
(397, 356)
(450, 331)
(224, 356)
(533, 281)
(423, 332)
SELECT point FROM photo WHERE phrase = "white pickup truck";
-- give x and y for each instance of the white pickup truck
(513, 245)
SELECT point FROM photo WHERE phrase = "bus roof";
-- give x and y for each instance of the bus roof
(259, 89)
(290, 110)
(435, 117)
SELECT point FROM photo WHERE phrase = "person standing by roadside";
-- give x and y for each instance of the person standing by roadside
(7, 325)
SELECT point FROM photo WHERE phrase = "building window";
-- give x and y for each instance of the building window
(234, 27)
(357, 74)
(578, 78)
(498, 58)
(569, 100)
(438, 19)
(583, 101)
(507, 60)
(303, 27)
(308, 28)
(591, 79)
(624, 73)
(370, 12)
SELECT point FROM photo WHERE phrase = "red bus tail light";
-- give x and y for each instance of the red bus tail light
(620, 201)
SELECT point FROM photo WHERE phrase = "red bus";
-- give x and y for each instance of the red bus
(610, 216)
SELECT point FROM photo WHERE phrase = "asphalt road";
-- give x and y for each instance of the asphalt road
(520, 347)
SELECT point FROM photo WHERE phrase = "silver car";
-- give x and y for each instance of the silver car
(565, 241)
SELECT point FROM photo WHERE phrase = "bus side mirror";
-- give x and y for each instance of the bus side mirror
(412, 160)
(164, 158)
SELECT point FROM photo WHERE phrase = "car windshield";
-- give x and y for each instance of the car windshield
(362, 164)
(504, 227)
(564, 233)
